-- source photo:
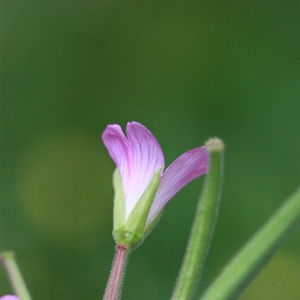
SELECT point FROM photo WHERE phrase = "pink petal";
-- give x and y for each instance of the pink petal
(117, 146)
(9, 297)
(137, 157)
(184, 169)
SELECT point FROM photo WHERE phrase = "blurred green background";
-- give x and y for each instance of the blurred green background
(188, 71)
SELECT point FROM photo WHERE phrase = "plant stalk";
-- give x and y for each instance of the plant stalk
(14, 275)
(116, 277)
(203, 226)
(246, 264)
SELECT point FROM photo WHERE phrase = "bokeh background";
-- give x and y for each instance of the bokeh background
(188, 71)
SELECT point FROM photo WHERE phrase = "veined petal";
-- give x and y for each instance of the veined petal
(137, 157)
(184, 169)
(146, 158)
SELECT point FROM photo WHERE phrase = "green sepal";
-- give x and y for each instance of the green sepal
(119, 204)
(131, 234)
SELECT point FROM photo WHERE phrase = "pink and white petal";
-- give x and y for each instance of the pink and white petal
(184, 169)
(116, 143)
(146, 157)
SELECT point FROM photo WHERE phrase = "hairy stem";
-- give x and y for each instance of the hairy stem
(203, 226)
(116, 277)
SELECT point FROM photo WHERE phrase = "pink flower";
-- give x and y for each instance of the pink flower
(138, 156)
(9, 297)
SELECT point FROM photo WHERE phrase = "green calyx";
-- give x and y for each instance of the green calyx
(119, 204)
(131, 231)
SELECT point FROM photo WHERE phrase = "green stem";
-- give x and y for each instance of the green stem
(243, 267)
(14, 275)
(203, 226)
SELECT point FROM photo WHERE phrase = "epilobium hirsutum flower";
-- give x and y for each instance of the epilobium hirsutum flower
(9, 297)
(142, 186)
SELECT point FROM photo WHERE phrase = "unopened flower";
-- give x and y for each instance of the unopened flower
(9, 297)
(142, 186)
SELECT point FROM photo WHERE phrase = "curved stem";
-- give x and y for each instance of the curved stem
(116, 277)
